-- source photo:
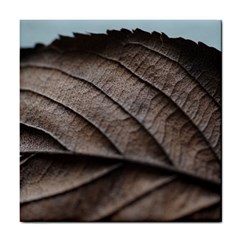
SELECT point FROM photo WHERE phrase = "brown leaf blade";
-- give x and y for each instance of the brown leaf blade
(124, 127)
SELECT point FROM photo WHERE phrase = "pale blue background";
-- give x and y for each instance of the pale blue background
(45, 31)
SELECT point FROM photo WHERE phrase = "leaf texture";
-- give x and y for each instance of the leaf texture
(35, 140)
(123, 126)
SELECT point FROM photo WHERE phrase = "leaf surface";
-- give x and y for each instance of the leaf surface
(121, 127)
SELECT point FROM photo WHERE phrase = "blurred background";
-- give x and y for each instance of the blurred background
(45, 31)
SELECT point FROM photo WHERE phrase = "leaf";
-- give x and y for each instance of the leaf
(122, 127)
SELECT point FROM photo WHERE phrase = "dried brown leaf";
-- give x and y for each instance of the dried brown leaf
(123, 127)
